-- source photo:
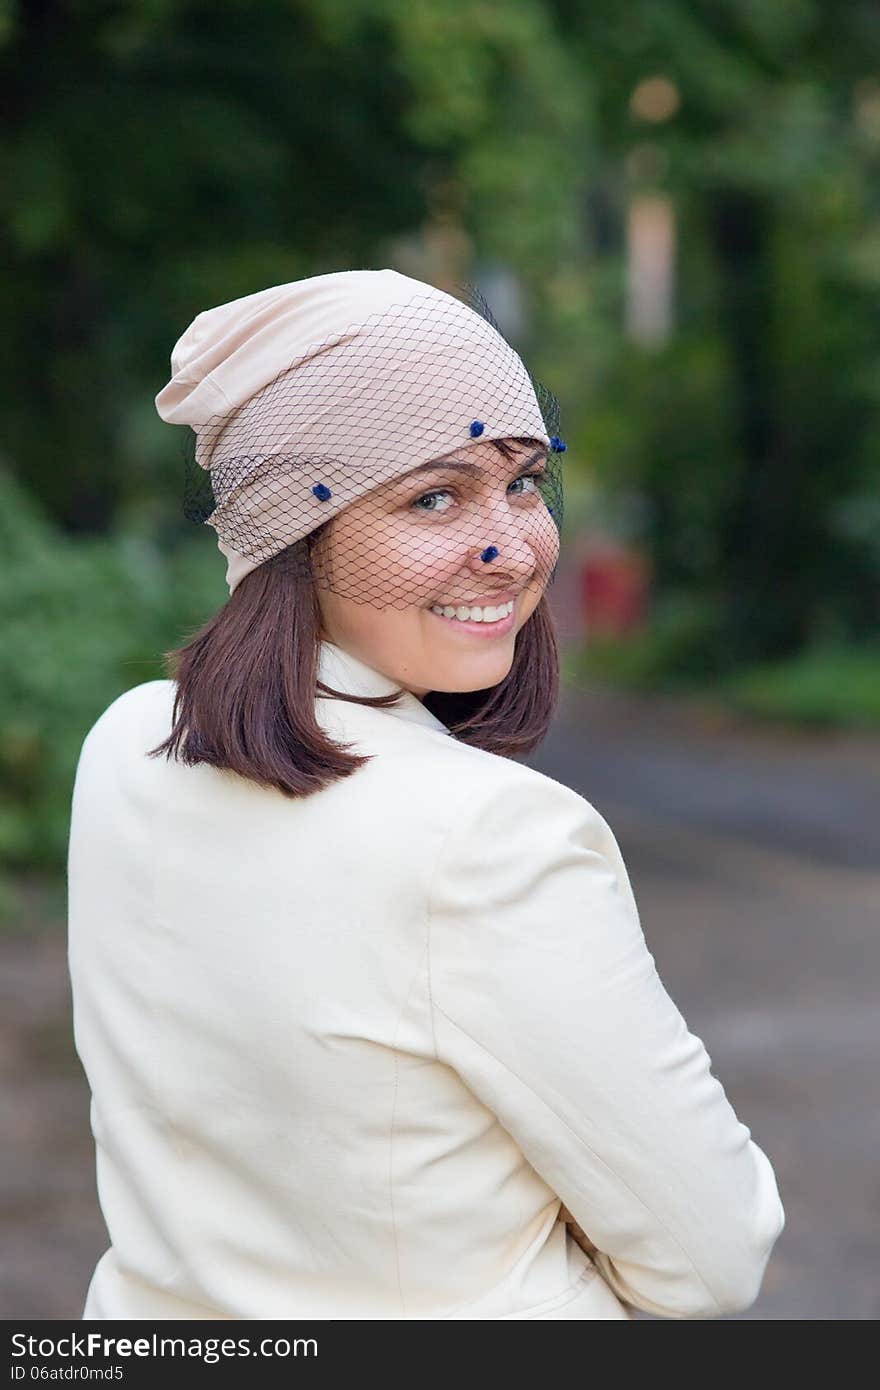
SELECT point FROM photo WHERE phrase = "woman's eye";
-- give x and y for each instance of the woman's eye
(447, 492)
(428, 496)
(524, 476)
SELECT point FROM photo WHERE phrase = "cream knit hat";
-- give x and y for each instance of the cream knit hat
(306, 396)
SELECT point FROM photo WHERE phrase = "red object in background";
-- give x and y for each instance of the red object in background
(615, 589)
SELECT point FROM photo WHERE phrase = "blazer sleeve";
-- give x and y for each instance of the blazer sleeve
(546, 1001)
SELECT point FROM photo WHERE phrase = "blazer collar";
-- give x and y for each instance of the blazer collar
(341, 671)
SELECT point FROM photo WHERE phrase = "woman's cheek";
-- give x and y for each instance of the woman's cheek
(548, 545)
(528, 604)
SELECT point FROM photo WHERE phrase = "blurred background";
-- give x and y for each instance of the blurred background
(673, 210)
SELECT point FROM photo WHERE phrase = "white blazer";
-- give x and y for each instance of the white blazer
(349, 1053)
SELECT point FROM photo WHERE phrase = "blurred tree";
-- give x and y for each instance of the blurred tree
(165, 155)
(751, 427)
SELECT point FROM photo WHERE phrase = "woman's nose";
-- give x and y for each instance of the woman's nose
(509, 555)
(513, 545)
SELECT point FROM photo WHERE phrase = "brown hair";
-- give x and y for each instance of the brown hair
(247, 681)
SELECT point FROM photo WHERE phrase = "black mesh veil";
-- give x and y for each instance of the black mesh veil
(548, 403)
(336, 464)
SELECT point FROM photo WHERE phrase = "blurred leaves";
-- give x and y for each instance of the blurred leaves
(82, 621)
(160, 156)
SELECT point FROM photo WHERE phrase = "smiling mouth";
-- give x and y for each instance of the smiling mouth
(477, 624)
(474, 613)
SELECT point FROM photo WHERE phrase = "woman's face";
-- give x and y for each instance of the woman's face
(416, 542)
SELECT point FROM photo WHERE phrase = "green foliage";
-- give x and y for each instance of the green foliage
(82, 621)
(828, 686)
(163, 157)
(751, 435)
(677, 649)
(160, 156)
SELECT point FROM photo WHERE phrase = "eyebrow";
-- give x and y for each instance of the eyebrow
(474, 469)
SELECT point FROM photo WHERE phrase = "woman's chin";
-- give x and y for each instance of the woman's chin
(479, 671)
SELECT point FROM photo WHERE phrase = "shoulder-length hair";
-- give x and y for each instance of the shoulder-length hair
(248, 678)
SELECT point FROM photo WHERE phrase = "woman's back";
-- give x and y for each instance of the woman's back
(349, 1051)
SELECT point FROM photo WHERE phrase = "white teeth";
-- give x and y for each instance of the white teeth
(473, 615)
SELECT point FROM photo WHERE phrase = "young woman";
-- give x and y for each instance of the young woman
(370, 1023)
